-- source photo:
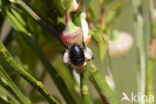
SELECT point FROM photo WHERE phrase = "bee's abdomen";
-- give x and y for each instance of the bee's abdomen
(77, 55)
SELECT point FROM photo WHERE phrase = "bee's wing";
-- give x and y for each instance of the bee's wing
(66, 57)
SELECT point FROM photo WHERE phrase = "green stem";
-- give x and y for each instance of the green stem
(51, 70)
(4, 101)
(7, 81)
(138, 25)
(41, 78)
(152, 52)
(86, 99)
(6, 59)
(4, 94)
(39, 19)
(15, 18)
(106, 93)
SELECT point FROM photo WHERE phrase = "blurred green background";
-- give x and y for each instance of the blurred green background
(124, 67)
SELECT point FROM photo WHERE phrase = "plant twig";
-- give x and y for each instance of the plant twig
(106, 93)
(7, 81)
(3, 100)
(51, 70)
(41, 78)
(6, 59)
(85, 97)
(33, 13)
(138, 26)
(4, 94)
(38, 18)
(152, 54)
(14, 17)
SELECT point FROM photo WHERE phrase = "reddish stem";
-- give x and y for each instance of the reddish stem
(67, 17)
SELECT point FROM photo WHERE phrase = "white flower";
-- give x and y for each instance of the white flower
(84, 26)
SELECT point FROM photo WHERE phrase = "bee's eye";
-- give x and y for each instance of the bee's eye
(77, 56)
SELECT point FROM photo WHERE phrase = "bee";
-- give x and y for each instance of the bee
(77, 56)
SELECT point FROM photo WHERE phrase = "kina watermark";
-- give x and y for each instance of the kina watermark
(139, 97)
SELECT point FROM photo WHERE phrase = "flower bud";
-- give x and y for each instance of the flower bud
(120, 44)
(71, 34)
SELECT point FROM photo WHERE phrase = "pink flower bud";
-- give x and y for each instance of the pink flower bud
(71, 34)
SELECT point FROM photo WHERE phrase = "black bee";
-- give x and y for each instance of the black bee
(77, 57)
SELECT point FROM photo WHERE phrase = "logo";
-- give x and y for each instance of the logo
(137, 97)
